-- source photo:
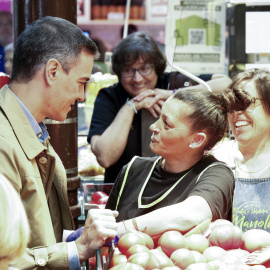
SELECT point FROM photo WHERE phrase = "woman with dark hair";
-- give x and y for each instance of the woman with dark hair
(248, 155)
(183, 184)
(116, 133)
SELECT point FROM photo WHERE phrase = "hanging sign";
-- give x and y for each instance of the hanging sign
(157, 11)
(198, 35)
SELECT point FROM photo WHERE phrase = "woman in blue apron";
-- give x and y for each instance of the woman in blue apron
(249, 154)
(182, 186)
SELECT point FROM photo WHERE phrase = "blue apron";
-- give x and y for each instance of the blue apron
(251, 205)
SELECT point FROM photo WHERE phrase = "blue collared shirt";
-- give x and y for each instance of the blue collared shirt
(42, 134)
(40, 129)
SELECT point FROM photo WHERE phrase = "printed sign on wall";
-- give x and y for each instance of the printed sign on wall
(157, 11)
(197, 35)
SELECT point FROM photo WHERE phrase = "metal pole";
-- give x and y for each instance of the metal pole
(126, 19)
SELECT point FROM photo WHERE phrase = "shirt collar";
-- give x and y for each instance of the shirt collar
(39, 128)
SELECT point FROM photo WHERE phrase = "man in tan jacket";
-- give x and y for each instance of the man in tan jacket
(53, 60)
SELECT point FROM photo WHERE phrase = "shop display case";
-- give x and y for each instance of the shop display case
(141, 11)
(94, 187)
(90, 172)
(103, 20)
(93, 194)
(85, 109)
(146, 15)
(89, 169)
(90, 187)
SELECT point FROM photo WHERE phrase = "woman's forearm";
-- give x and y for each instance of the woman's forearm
(109, 146)
(181, 216)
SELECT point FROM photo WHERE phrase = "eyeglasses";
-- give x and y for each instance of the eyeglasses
(130, 72)
(256, 102)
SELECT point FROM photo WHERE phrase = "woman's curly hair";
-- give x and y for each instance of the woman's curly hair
(235, 98)
(210, 112)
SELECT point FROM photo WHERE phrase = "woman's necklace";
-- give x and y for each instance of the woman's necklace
(238, 166)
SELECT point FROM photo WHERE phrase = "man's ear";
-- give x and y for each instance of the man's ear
(51, 70)
(198, 140)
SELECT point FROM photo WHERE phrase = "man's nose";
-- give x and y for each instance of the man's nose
(81, 95)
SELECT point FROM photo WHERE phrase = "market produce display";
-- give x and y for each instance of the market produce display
(221, 246)
(99, 198)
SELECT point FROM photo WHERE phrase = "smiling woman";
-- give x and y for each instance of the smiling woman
(119, 127)
(248, 154)
(182, 186)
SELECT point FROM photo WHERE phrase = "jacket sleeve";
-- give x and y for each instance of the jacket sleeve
(20, 172)
(45, 258)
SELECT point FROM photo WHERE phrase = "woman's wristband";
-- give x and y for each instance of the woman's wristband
(131, 105)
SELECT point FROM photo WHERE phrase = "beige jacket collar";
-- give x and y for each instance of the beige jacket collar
(20, 124)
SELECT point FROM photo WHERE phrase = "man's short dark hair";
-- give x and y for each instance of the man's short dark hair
(47, 38)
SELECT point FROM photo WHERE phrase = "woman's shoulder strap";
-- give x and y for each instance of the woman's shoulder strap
(142, 160)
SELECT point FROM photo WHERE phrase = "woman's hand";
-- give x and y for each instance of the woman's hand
(152, 100)
(155, 109)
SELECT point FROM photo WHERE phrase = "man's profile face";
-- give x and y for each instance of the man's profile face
(69, 87)
(5, 29)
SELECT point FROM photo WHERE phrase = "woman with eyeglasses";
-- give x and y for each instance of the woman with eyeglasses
(120, 121)
(249, 154)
